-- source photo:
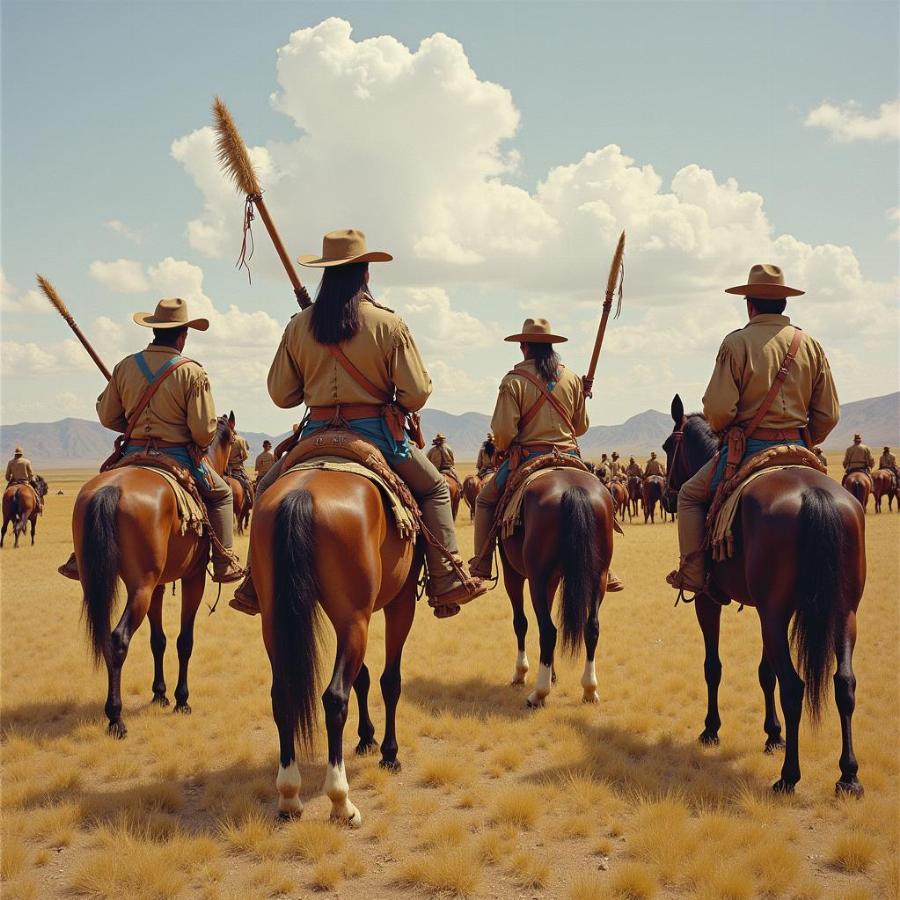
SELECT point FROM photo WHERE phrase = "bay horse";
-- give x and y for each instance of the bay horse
(471, 487)
(321, 541)
(241, 503)
(635, 493)
(565, 536)
(800, 555)
(860, 485)
(21, 506)
(455, 489)
(652, 491)
(125, 525)
(619, 494)
(884, 485)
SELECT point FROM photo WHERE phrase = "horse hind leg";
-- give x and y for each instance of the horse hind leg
(288, 781)
(541, 597)
(771, 724)
(398, 621)
(790, 686)
(591, 637)
(366, 731)
(191, 595)
(158, 646)
(709, 615)
(515, 590)
(845, 698)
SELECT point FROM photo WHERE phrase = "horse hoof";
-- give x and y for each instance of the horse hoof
(160, 700)
(783, 787)
(390, 765)
(709, 738)
(289, 815)
(849, 789)
(773, 744)
(364, 747)
(117, 730)
(592, 697)
(519, 677)
(183, 708)
(354, 820)
(534, 702)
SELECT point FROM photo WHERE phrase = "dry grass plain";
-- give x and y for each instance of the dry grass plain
(571, 801)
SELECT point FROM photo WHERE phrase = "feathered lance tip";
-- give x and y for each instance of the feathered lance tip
(617, 274)
(53, 297)
(232, 151)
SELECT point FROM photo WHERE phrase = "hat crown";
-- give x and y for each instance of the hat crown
(343, 244)
(536, 326)
(173, 309)
(18, 451)
(765, 273)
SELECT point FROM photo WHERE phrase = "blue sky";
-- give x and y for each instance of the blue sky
(94, 94)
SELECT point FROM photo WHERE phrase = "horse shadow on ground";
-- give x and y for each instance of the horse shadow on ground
(48, 718)
(474, 697)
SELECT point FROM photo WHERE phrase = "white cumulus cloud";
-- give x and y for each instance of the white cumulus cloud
(124, 230)
(847, 122)
(124, 276)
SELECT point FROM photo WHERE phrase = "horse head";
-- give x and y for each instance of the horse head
(40, 486)
(220, 446)
(691, 444)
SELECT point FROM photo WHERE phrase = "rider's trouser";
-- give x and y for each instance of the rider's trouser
(219, 509)
(427, 485)
(485, 504)
(693, 502)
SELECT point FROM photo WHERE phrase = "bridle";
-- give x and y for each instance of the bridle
(678, 435)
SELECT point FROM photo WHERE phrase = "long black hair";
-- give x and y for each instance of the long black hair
(335, 315)
(546, 360)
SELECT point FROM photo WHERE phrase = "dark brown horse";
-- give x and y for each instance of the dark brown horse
(885, 485)
(619, 494)
(635, 494)
(455, 489)
(652, 491)
(126, 525)
(322, 541)
(566, 536)
(860, 485)
(241, 503)
(470, 489)
(21, 506)
(800, 555)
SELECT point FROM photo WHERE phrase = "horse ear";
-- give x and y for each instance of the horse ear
(677, 410)
(231, 418)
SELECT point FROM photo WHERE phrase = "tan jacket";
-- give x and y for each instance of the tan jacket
(240, 451)
(748, 361)
(517, 396)
(654, 467)
(887, 461)
(19, 469)
(441, 457)
(484, 460)
(858, 456)
(264, 462)
(633, 469)
(615, 468)
(304, 371)
(181, 411)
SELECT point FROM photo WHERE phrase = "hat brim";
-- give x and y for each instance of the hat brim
(536, 338)
(320, 262)
(149, 320)
(765, 291)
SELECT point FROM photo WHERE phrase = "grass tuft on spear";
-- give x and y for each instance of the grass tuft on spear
(234, 159)
(615, 280)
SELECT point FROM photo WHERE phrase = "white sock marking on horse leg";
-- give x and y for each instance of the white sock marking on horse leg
(521, 668)
(288, 782)
(589, 683)
(542, 686)
(337, 789)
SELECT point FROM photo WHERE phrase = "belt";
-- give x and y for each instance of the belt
(346, 411)
(545, 448)
(156, 442)
(776, 434)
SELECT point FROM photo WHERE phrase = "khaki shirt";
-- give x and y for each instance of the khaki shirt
(484, 459)
(887, 461)
(517, 396)
(858, 456)
(264, 462)
(654, 467)
(19, 469)
(181, 411)
(615, 468)
(745, 369)
(441, 457)
(240, 451)
(633, 469)
(304, 371)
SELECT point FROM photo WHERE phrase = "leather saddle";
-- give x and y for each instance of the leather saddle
(180, 473)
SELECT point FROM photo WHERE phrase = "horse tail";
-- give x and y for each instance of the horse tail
(858, 489)
(297, 615)
(99, 565)
(17, 512)
(820, 588)
(581, 565)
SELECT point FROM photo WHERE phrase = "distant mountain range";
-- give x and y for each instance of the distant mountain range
(79, 442)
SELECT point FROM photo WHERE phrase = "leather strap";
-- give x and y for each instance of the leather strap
(778, 434)
(777, 384)
(147, 396)
(346, 411)
(546, 397)
(356, 375)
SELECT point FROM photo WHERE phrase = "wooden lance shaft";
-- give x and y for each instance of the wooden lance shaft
(300, 292)
(598, 343)
(87, 346)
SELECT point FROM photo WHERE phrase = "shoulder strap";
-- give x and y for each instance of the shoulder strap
(147, 396)
(780, 377)
(356, 375)
(546, 397)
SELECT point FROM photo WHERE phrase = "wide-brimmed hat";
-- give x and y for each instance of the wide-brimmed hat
(18, 452)
(653, 454)
(342, 247)
(536, 331)
(765, 282)
(887, 449)
(857, 438)
(438, 437)
(267, 443)
(615, 455)
(172, 313)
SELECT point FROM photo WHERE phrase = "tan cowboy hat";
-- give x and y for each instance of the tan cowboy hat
(653, 454)
(857, 438)
(18, 452)
(536, 331)
(342, 247)
(438, 437)
(171, 313)
(765, 282)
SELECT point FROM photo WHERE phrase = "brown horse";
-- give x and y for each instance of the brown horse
(635, 494)
(619, 494)
(322, 541)
(652, 491)
(21, 506)
(885, 485)
(455, 489)
(241, 502)
(125, 524)
(860, 485)
(802, 556)
(470, 489)
(566, 535)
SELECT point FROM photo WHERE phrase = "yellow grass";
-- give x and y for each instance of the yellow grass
(607, 801)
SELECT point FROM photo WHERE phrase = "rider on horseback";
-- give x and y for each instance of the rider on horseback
(750, 362)
(343, 357)
(654, 466)
(888, 461)
(179, 420)
(633, 468)
(19, 471)
(264, 461)
(485, 459)
(240, 453)
(441, 457)
(858, 458)
(525, 426)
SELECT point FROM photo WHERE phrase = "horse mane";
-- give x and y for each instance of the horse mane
(701, 439)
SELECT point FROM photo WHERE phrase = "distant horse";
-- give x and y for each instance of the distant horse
(20, 506)
(322, 541)
(885, 485)
(652, 491)
(860, 485)
(619, 494)
(471, 487)
(456, 492)
(126, 525)
(635, 493)
(566, 535)
(801, 554)
(241, 503)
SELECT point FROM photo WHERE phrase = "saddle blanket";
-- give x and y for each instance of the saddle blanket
(403, 518)
(189, 511)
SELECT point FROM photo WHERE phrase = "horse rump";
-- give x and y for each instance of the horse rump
(99, 565)
(581, 565)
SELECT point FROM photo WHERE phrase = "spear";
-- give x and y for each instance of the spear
(63, 310)
(616, 277)
(235, 161)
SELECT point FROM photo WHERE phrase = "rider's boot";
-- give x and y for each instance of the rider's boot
(69, 568)
(245, 599)
(226, 566)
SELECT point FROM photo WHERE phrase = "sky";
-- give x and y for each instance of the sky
(496, 149)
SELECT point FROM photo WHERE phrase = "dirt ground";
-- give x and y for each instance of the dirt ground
(612, 800)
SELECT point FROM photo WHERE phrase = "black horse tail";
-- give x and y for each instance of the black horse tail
(858, 489)
(820, 588)
(99, 565)
(297, 616)
(16, 512)
(581, 565)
